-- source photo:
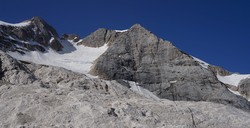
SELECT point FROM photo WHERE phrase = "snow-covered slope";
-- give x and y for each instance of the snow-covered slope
(141, 90)
(73, 57)
(233, 79)
(25, 23)
(201, 62)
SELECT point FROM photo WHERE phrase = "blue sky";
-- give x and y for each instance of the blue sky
(216, 31)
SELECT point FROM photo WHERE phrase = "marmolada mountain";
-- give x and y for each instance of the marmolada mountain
(112, 79)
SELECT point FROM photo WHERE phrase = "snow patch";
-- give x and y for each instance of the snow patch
(25, 23)
(233, 79)
(172, 82)
(121, 30)
(201, 62)
(141, 90)
(51, 39)
(80, 59)
(235, 92)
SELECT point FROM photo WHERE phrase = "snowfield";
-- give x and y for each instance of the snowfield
(76, 58)
(233, 79)
(121, 30)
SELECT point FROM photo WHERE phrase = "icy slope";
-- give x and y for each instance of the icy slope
(201, 62)
(233, 79)
(73, 57)
(25, 23)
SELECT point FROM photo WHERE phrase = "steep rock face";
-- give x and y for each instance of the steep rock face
(244, 87)
(99, 38)
(13, 71)
(219, 71)
(36, 34)
(138, 55)
(75, 38)
(62, 98)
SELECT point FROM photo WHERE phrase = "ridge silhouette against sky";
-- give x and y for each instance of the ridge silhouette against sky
(216, 31)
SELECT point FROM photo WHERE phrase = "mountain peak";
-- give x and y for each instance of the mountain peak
(32, 34)
(36, 18)
(40, 22)
(137, 26)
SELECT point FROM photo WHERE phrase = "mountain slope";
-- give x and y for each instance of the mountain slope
(56, 97)
(140, 81)
(30, 35)
(134, 55)
(72, 57)
(157, 65)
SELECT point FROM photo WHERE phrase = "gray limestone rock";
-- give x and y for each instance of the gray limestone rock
(61, 98)
(99, 38)
(13, 71)
(157, 65)
(219, 70)
(98, 103)
(244, 88)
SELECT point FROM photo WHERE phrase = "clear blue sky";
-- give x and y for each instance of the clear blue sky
(216, 31)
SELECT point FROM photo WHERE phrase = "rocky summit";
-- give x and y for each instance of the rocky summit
(113, 79)
(34, 34)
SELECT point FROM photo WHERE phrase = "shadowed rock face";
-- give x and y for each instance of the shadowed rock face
(244, 87)
(75, 38)
(138, 55)
(38, 32)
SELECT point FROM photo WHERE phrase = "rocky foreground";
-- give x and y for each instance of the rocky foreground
(44, 96)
